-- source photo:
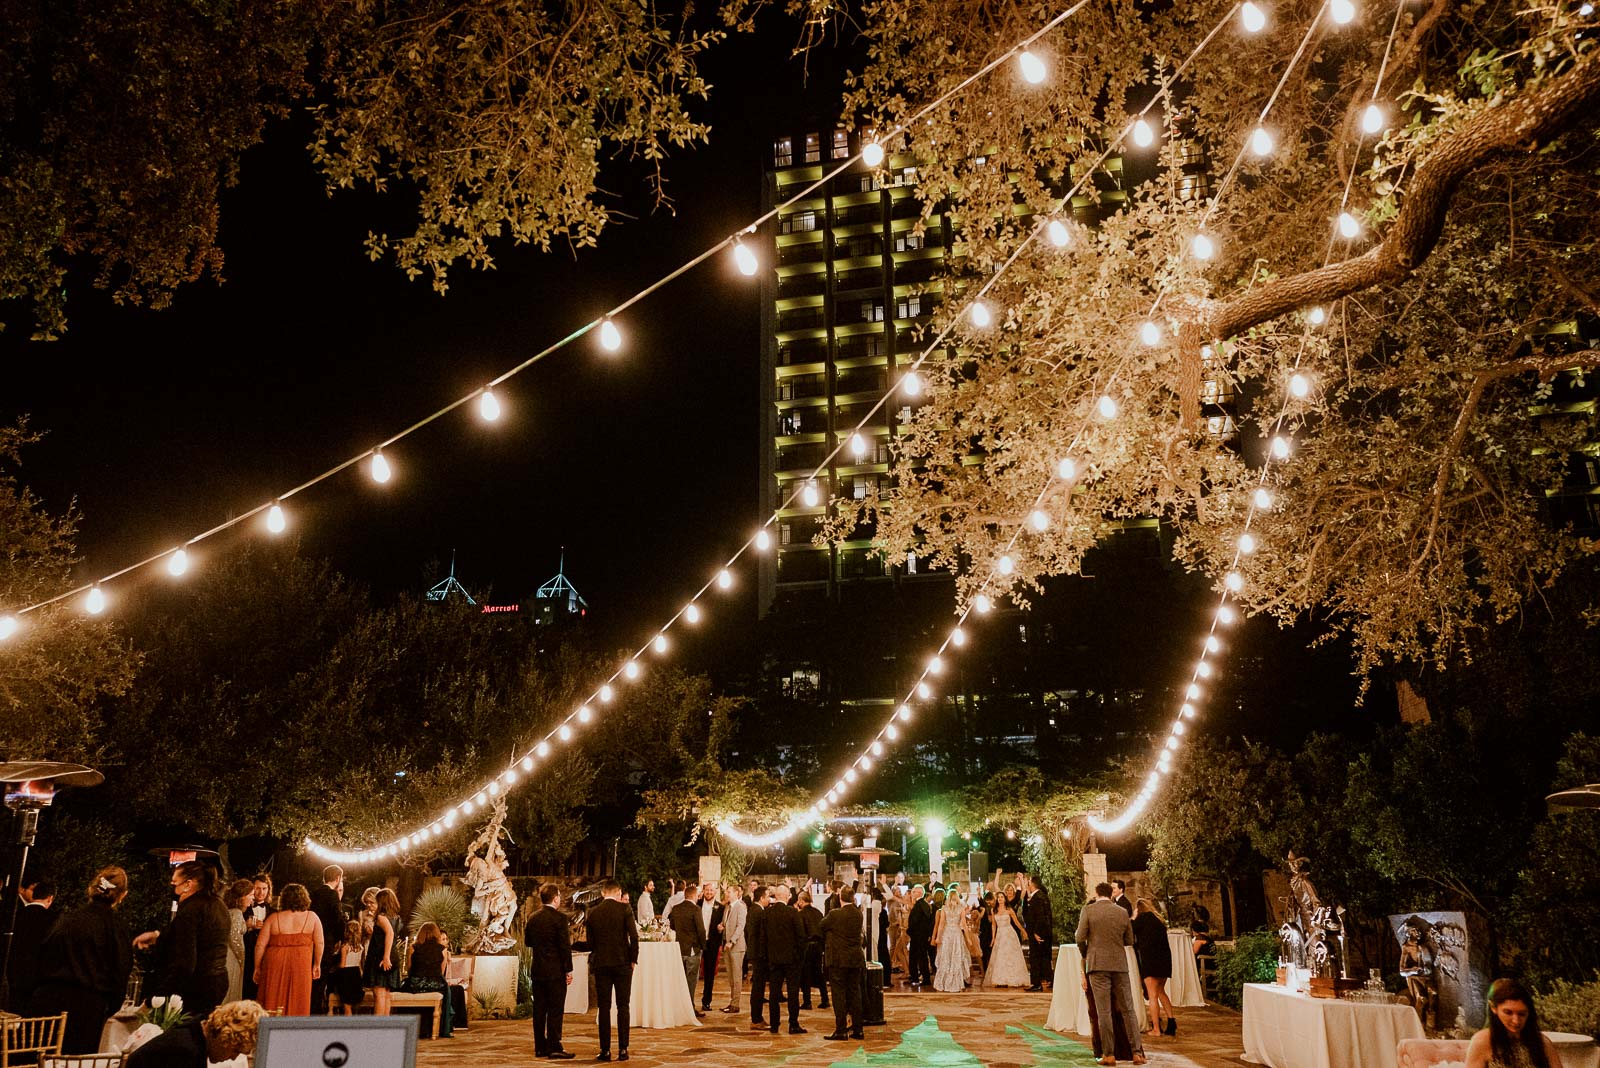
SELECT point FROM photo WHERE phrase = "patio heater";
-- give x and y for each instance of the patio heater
(30, 786)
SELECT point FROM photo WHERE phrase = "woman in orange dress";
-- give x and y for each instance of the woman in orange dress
(289, 955)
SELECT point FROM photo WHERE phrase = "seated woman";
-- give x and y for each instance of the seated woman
(228, 1032)
(1200, 925)
(1512, 1039)
(425, 972)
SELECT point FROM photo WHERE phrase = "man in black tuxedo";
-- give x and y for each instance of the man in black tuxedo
(34, 920)
(613, 952)
(327, 906)
(783, 932)
(756, 947)
(1119, 896)
(841, 934)
(1041, 934)
(919, 929)
(833, 900)
(550, 942)
(711, 916)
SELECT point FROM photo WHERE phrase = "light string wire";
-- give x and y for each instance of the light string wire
(732, 241)
(1261, 500)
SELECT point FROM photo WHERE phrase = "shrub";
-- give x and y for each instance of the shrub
(448, 909)
(1253, 958)
(1573, 1007)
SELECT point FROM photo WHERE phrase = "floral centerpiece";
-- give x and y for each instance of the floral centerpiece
(657, 931)
(165, 1012)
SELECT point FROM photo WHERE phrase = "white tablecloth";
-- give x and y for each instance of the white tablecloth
(578, 992)
(1290, 1030)
(1069, 1005)
(114, 1035)
(1184, 987)
(660, 995)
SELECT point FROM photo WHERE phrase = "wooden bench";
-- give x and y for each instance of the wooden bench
(432, 1001)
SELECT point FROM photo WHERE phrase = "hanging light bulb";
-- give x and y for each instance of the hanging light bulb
(858, 446)
(380, 468)
(1342, 11)
(95, 602)
(891, 732)
(1261, 142)
(1299, 384)
(981, 316)
(1372, 119)
(660, 644)
(763, 540)
(865, 763)
(543, 749)
(924, 691)
(872, 153)
(610, 336)
(1317, 316)
(1226, 616)
(1234, 581)
(585, 714)
(904, 713)
(1262, 500)
(1150, 332)
(911, 384)
(1006, 565)
(1280, 448)
(276, 521)
(527, 763)
(8, 627)
(1247, 543)
(630, 670)
(982, 604)
(488, 405)
(606, 694)
(744, 258)
(178, 563)
(1107, 406)
(1143, 135)
(1039, 520)
(958, 637)
(1066, 470)
(724, 579)
(1212, 644)
(1058, 233)
(1254, 19)
(810, 496)
(1348, 225)
(1202, 247)
(1033, 71)
(691, 613)
(935, 666)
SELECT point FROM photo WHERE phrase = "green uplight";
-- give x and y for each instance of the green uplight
(816, 843)
(976, 844)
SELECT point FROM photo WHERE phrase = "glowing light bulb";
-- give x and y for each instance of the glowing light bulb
(607, 693)
(924, 691)
(1033, 71)
(585, 714)
(691, 613)
(904, 713)
(1172, 743)
(1202, 247)
(1342, 11)
(1254, 19)
(527, 763)
(1247, 543)
(865, 763)
(468, 807)
(1193, 692)
(1006, 565)
(543, 749)
(958, 637)
(981, 316)
(276, 521)
(1039, 520)
(935, 666)
(1317, 316)
(610, 336)
(1066, 469)
(763, 540)
(1234, 581)
(1280, 448)
(488, 406)
(1261, 142)
(849, 774)
(1143, 135)
(480, 799)
(660, 644)
(1226, 615)
(1058, 233)
(810, 496)
(858, 446)
(724, 579)
(1348, 225)
(380, 469)
(565, 733)
(8, 627)
(1299, 385)
(1179, 727)
(95, 602)
(494, 789)
(1261, 499)
(891, 732)
(877, 750)
(630, 670)
(1212, 645)
(744, 258)
(912, 384)
(178, 562)
(1107, 407)
(1372, 119)
(872, 154)
(1150, 332)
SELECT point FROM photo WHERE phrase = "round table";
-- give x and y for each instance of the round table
(1069, 1003)
(1184, 987)
(1577, 1051)
(578, 989)
(1286, 1029)
(659, 996)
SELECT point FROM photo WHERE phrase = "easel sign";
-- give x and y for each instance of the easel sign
(337, 1042)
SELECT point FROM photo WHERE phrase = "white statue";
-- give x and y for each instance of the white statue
(491, 890)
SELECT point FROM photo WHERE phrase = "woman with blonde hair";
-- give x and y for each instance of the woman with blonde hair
(237, 898)
(84, 963)
(1155, 965)
(952, 962)
(388, 929)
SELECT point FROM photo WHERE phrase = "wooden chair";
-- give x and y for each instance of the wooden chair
(28, 1039)
(90, 1060)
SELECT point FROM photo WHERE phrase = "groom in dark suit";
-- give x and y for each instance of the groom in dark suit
(613, 951)
(1041, 934)
(919, 929)
(550, 971)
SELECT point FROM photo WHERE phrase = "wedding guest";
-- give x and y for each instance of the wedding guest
(690, 931)
(1103, 932)
(711, 913)
(919, 933)
(327, 905)
(1119, 896)
(899, 912)
(1040, 923)
(425, 972)
(289, 954)
(221, 1037)
(734, 912)
(1155, 966)
(239, 895)
(1512, 1037)
(878, 930)
(971, 915)
(841, 932)
(549, 940)
(756, 948)
(647, 904)
(811, 966)
(33, 921)
(613, 952)
(679, 892)
(986, 923)
(369, 913)
(1200, 927)
(350, 952)
(193, 950)
(84, 963)
(954, 963)
(256, 912)
(783, 934)
(387, 931)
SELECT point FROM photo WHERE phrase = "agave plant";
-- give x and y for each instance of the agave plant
(448, 909)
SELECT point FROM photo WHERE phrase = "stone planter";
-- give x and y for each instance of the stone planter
(494, 978)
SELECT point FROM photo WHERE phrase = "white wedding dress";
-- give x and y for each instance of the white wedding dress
(1007, 966)
(952, 965)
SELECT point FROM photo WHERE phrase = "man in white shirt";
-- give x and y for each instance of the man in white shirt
(678, 888)
(647, 904)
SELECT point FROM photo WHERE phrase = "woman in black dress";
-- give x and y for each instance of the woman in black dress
(84, 963)
(382, 971)
(986, 929)
(193, 950)
(1155, 964)
(425, 973)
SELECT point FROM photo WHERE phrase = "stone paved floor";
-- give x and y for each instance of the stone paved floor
(998, 1029)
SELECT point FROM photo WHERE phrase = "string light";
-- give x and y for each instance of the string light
(630, 670)
(691, 613)
(1066, 470)
(276, 521)
(763, 540)
(1039, 520)
(1372, 119)
(1202, 247)
(1280, 448)
(872, 154)
(610, 336)
(1058, 233)
(744, 259)
(1299, 384)
(810, 496)
(858, 446)
(488, 405)
(379, 469)
(585, 714)
(1107, 407)
(1348, 226)
(606, 694)
(724, 579)
(1261, 499)
(1143, 135)
(911, 383)
(1234, 581)
(1150, 332)
(981, 317)
(1033, 71)
(1343, 11)
(95, 601)
(958, 637)
(178, 563)
(1261, 142)
(1253, 18)
(1247, 543)
(982, 604)
(660, 644)
(8, 627)
(1226, 616)
(1005, 565)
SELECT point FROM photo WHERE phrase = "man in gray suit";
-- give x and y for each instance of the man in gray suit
(1103, 932)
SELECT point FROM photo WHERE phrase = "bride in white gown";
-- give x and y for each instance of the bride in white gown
(953, 965)
(1006, 964)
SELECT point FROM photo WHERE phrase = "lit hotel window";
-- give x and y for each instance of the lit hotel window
(783, 151)
(841, 144)
(813, 148)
